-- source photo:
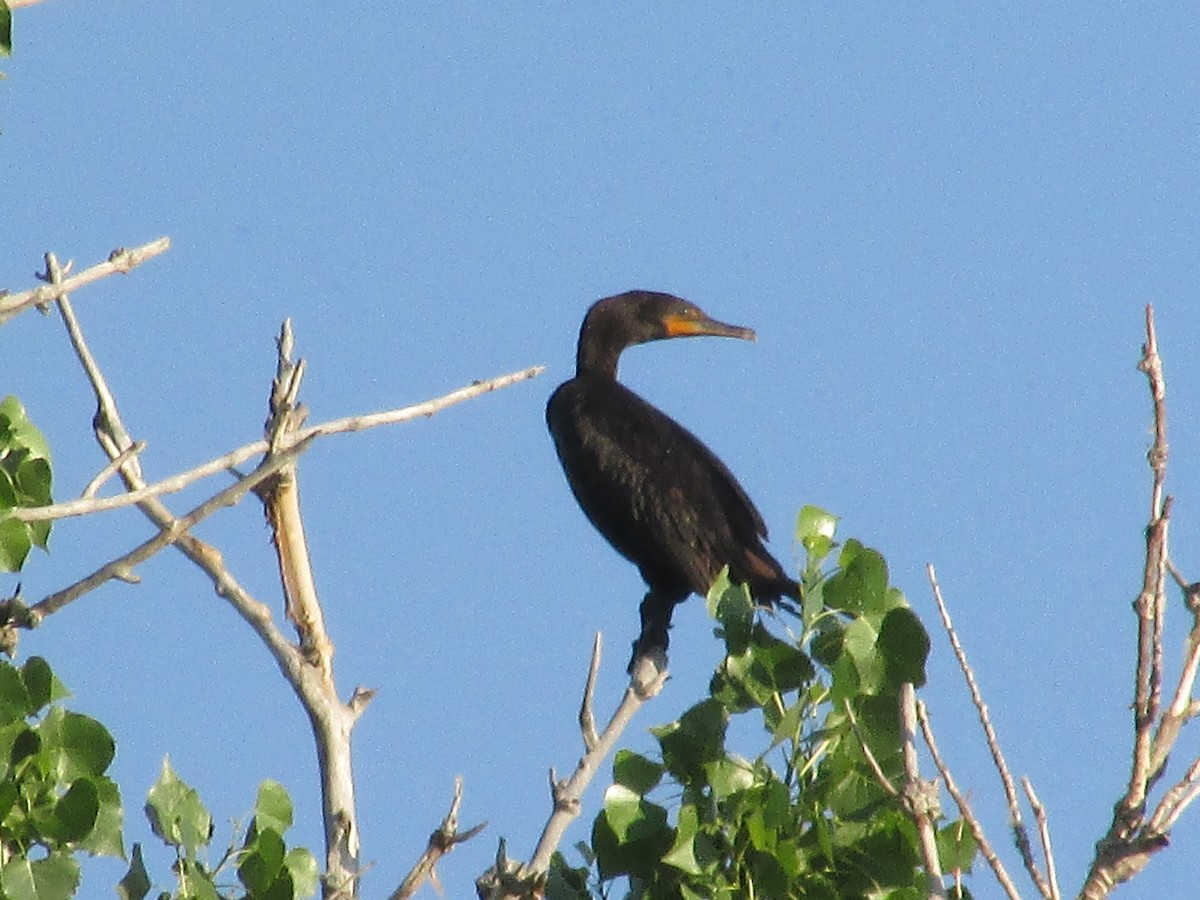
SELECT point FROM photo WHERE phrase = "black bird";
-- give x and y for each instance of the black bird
(660, 497)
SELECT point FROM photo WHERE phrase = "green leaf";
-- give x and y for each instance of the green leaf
(8, 490)
(176, 813)
(15, 702)
(136, 883)
(956, 847)
(106, 838)
(41, 684)
(682, 854)
(696, 738)
(905, 647)
(826, 645)
(27, 743)
(5, 29)
(261, 865)
(786, 667)
(75, 813)
(861, 584)
(636, 772)
(732, 606)
(54, 878)
(788, 727)
(861, 646)
(303, 868)
(728, 776)
(15, 544)
(77, 744)
(273, 807)
(195, 881)
(815, 530)
(33, 481)
(17, 432)
(630, 834)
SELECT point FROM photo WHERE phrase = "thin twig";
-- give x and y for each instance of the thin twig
(441, 842)
(1039, 815)
(876, 768)
(964, 808)
(122, 566)
(919, 798)
(587, 715)
(1128, 844)
(111, 469)
(506, 880)
(1020, 833)
(120, 261)
(234, 458)
(1176, 800)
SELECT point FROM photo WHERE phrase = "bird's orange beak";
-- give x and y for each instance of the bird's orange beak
(690, 326)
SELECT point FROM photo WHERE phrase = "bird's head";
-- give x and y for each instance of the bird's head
(637, 317)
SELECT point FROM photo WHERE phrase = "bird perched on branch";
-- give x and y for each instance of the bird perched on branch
(657, 494)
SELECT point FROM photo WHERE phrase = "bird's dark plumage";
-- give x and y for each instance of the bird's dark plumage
(661, 498)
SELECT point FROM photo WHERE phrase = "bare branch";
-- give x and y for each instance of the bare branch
(1039, 815)
(964, 808)
(236, 457)
(587, 716)
(919, 798)
(880, 775)
(331, 720)
(170, 533)
(441, 842)
(1131, 841)
(1020, 834)
(281, 503)
(506, 880)
(108, 471)
(120, 261)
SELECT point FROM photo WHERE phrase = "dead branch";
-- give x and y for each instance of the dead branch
(332, 720)
(1043, 822)
(331, 725)
(964, 808)
(1020, 834)
(120, 261)
(509, 881)
(87, 505)
(1132, 839)
(919, 798)
(441, 842)
(122, 567)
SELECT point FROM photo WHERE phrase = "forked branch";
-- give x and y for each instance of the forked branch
(508, 880)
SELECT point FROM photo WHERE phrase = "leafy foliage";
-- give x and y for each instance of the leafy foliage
(266, 869)
(25, 480)
(5, 29)
(807, 816)
(55, 799)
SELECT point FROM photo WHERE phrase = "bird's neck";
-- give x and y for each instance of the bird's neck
(598, 351)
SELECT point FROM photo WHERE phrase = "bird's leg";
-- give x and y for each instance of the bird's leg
(649, 661)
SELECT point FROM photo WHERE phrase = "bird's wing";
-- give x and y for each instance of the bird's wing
(661, 497)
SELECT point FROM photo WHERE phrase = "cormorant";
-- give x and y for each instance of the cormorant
(658, 495)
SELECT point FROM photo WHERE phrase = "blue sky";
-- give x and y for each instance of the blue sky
(943, 225)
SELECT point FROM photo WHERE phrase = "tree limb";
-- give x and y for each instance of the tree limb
(441, 842)
(507, 880)
(1020, 834)
(88, 505)
(120, 261)
(964, 808)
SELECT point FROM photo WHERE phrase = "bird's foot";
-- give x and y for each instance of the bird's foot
(648, 672)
